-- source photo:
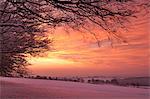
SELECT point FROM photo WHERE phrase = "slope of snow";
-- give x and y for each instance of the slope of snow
(19, 88)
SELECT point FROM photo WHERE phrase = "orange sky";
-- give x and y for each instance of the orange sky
(75, 54)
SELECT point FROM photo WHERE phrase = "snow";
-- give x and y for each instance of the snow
(21, 88)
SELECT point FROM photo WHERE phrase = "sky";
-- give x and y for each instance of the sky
(78, 54)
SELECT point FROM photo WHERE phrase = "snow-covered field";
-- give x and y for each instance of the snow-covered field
(19, 88)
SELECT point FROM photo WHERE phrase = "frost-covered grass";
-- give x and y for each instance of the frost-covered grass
(20, 88)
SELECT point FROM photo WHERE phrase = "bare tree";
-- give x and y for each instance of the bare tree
(109, 15)
(18, 39)
(20, 22)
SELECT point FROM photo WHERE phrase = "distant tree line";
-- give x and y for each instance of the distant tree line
(77, 79)
(99, 81)
(90, 81)
(114, 82)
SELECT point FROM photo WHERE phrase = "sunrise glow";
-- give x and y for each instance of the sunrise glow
(79, 54)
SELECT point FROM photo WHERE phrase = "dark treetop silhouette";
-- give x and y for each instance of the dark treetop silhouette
(22, 32)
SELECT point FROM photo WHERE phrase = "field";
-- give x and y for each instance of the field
(21, 88)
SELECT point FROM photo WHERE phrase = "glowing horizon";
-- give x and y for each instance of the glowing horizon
(74, 54)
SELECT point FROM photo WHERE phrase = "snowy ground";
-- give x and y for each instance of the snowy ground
(19, 88)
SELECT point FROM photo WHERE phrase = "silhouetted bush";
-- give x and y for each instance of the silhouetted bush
(114, 81)
(107, 82)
